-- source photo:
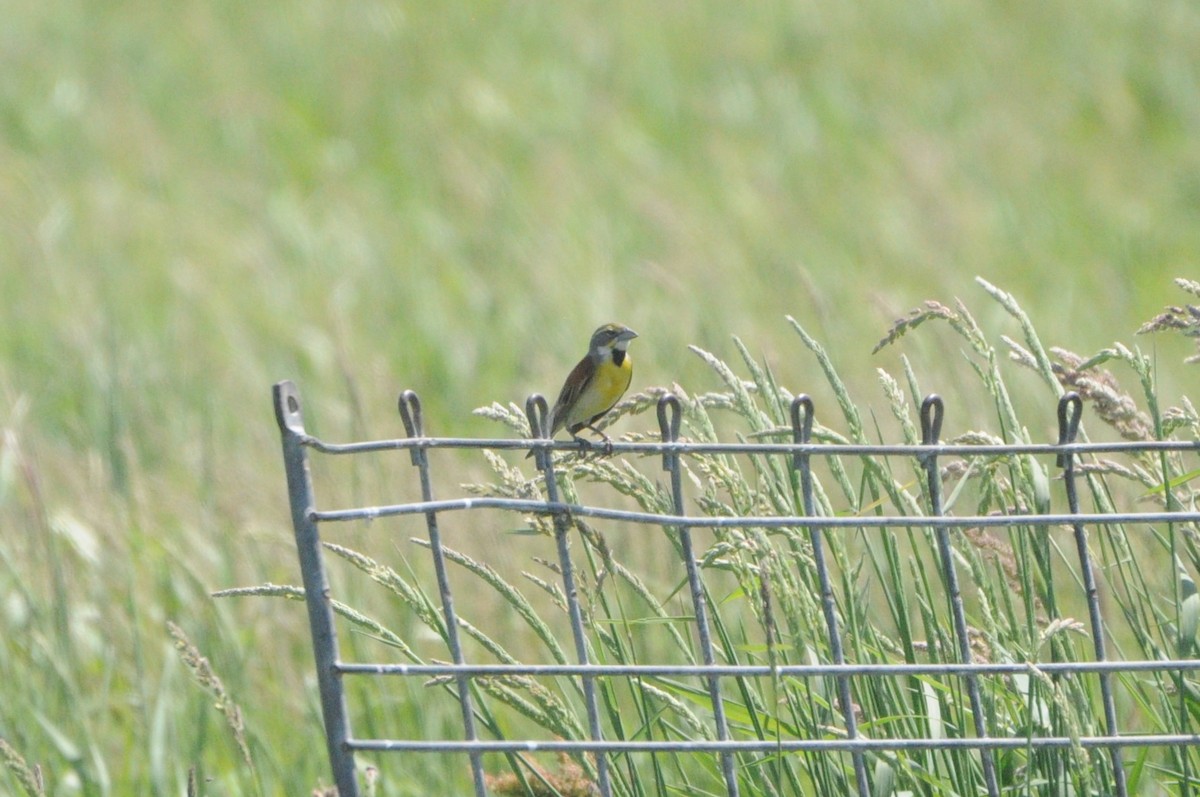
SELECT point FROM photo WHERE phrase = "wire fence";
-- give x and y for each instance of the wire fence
(723, 739)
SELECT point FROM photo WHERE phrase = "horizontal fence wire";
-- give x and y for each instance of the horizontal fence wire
(846, 675)
(795, 670)
(768, 745)
(765, 521)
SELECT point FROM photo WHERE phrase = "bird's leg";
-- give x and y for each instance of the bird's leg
(608, 446)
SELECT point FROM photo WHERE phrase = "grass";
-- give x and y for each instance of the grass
(197, 202)
(1024, 591)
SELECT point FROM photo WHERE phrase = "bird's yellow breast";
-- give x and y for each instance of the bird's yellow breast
(606, 388)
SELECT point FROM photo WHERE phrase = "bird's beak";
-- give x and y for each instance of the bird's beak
(626, 335)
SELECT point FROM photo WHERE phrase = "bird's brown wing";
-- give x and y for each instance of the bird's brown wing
(577, 381)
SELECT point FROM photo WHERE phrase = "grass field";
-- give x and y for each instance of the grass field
(197, 200)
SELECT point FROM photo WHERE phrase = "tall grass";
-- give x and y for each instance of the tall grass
(1023, 591)
(197, 201)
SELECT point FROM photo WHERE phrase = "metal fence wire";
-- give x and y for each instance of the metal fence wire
(723, 741)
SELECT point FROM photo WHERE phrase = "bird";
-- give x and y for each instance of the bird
(595, 384)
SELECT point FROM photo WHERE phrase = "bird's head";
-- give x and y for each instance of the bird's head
(611, 336)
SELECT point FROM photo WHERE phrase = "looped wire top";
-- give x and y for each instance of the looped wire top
(932, 410)
(1070, 410)
(802, 425)
(670, 416)
(536, 412)
(414, 423)
(410, 414)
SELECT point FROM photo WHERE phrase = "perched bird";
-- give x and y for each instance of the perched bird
(595, 384)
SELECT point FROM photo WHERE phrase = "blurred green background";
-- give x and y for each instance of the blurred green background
(200, 199)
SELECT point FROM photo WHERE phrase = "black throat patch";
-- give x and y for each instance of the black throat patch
(618, 357)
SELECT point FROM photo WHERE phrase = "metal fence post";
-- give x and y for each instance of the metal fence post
(802, 424)
(1070, 408)
(536, 412)
(316, 588)
(669, 417)
(410, 414)
(931, 429)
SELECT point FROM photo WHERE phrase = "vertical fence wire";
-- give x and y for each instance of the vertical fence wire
(536, 412)
(802, 424)
(1070, 408)
(932, 411)
(316, 588)
(668, 423)
(410, 414)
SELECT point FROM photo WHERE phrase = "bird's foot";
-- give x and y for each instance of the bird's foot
(589, 447)
(608, 445)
